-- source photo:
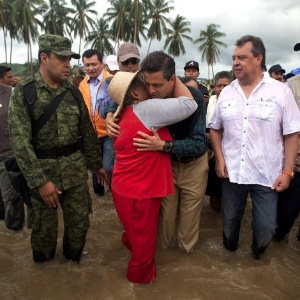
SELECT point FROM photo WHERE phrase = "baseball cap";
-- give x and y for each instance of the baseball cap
(276, 68)
(112, 62)
(57, 44)
(191, 64)
(297, 47)
(128, 50)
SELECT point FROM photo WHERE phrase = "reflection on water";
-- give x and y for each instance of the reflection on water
(209, 272)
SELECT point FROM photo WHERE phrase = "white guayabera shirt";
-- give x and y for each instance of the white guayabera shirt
(252, 141)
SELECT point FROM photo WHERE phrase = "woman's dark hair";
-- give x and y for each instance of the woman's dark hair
(188, 79)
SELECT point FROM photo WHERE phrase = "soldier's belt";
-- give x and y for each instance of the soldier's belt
(57, 152)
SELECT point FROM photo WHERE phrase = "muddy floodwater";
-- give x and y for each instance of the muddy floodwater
(209, 272)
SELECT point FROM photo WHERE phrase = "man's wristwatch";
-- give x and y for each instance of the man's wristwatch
(288, 173)
(168, 147)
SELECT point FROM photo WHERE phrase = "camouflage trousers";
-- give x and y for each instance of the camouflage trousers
(43, 220)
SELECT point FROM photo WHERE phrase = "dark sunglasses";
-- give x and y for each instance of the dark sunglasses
(134, 61)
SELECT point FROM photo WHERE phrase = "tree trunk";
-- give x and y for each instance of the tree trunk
(10, 56)
(28, 67)
(4, 38)
(208, 72)
(30, 51)
(149, 46)
(79, 54)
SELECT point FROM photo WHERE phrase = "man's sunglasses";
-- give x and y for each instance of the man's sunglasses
(134, 61)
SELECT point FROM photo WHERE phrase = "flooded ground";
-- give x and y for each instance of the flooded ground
(209, 272)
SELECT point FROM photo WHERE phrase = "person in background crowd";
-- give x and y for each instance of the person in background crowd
(254, 115)
(277, 72)
(6, 76)
(191, 69)
(11, 202)
(289, 200)
(112, 64)
(75, 80)
(90, 87)
(128, 58)
(214, 183)
(190, 81)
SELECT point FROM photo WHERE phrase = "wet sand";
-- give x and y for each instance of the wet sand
(209, 272)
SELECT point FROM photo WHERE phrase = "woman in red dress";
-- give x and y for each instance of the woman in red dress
(141, 179)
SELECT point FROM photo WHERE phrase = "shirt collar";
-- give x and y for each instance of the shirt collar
(266, 79)
(98, 79)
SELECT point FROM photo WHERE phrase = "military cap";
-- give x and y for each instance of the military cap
(57, 44)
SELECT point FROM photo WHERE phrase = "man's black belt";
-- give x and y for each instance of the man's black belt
(57, 152)
(186, 159)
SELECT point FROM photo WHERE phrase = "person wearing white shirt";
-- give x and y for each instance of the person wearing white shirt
(214, 183)
(254, 133)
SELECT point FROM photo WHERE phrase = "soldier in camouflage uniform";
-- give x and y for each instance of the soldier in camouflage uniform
(51, 161)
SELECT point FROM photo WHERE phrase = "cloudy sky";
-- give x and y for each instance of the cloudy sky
(277, 22)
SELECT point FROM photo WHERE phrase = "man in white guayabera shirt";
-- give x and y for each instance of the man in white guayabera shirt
(254, 134)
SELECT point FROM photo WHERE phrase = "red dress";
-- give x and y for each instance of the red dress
(139, 181)
(140, 175)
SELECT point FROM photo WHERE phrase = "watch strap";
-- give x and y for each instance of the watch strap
(289, 173)
(168, 146)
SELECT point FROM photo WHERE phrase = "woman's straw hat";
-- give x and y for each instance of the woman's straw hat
(118, 87)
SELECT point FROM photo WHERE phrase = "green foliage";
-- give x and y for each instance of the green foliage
(210, 43)
(124, 20)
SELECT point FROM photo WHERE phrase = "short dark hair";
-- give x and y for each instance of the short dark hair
(188, 79)
(4, 70)
(223, 74)
(47, 52)
(91, 52)
(258, 46)
(159, 61)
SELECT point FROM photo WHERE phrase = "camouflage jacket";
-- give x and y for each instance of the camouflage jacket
(62, 129)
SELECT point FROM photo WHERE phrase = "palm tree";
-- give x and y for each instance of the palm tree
(209, 46)
(99, 38)
(10, 26)
(158, 9)
(57, 18)
(139, 18)
(174, 41)
(82, 19)
(4, 23)
(119, 14)
(24, 16)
